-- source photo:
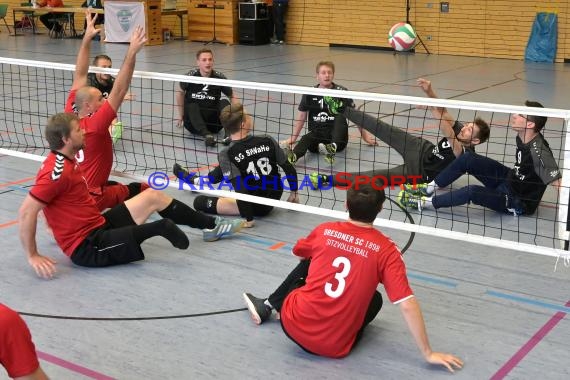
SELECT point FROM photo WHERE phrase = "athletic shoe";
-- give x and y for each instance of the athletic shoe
(210, 140)
(179, 171)
(417, 189)
(291, 156)
(223, 227)
(116, 131)
(314, 177)
(329, 150)
(227, 140)
(409, 200)
(317, 180)
(258, 310)
(336, 105)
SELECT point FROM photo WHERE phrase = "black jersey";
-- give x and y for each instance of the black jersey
(441, 155)
(252, 166)
(105, 88)
(251, 159)
(207, 96)
(534, 169)
(322, 109)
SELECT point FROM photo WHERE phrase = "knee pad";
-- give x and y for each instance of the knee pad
(206, 204)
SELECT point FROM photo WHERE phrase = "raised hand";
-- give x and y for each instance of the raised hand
(138, 38)
(90, 30)
(425, 85)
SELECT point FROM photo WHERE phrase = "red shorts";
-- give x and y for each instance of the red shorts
(113, 194)
(109, 196)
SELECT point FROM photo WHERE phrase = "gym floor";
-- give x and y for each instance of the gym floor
(180, 314)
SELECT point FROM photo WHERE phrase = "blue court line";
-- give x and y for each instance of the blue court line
(18, 188)
(433, 280)
(288, 248)
(528, 301)
(261, 241)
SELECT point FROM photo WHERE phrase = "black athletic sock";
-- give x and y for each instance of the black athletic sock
(180, 213)
(206, 204)
(165, 228)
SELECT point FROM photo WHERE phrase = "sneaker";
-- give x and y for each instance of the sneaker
(409, 200)
(417, 189)
(291, 156)
(336, 106)
(116, 131)
(317, 180)
(329, 150)
(223, 227)
(210, 140)
(179, 171)
(281, 42)
(258, 310)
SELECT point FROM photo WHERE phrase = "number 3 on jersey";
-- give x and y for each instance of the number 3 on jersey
(339, 276)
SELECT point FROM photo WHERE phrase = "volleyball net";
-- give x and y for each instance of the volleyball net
(152, 142)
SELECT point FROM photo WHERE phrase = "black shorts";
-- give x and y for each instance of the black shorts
(111, 244)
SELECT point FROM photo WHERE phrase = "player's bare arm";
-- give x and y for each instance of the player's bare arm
(412, 313)
(82, 63)
(121, 86)
(28, 220)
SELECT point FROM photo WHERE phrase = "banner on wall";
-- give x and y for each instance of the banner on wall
(121, 18)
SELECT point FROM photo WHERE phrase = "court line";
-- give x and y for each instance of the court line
(8, 224)
(72, 366)
(277, 245)
(16, 182)
(529, 301)
(529, 345)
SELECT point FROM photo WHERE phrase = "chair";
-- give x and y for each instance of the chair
(3, 11)
(66, 21)
(30, 16)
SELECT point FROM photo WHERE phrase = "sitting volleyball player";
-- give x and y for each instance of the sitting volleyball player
(330, 297)
(328, 128)
(251, 163)
(421, 156)
(89, 238)
(515, 190)
(104, 83)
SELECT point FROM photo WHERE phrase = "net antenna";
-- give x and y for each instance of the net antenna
(420, 41)
(151, 143)
(214, 39)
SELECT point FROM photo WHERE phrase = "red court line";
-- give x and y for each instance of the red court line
(72, 367)
(8, 224)
(528, 346)
(16, 182)
(277, 246)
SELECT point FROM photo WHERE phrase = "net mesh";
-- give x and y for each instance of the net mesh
(152, 142)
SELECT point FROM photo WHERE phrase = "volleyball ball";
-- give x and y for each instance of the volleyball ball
(402, 36)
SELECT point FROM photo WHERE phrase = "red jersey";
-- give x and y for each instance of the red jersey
(17, 351)
(347, 264)
(70, 211)
(96, 157)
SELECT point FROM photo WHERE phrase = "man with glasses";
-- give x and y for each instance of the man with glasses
(516, 190)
